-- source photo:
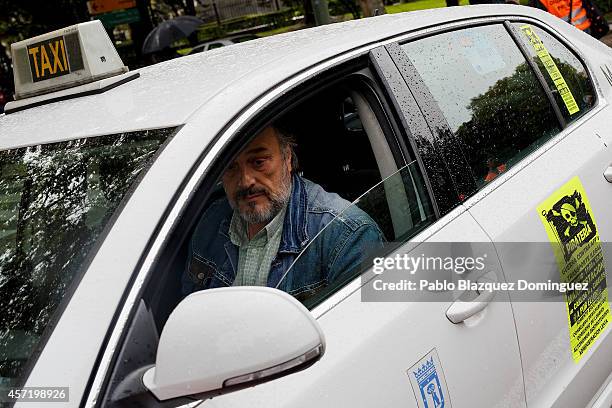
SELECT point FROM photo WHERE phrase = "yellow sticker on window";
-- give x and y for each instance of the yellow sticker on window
(570, 225)
(551, 68)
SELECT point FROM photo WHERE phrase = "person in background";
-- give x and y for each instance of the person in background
(571, 11)
(495, 169)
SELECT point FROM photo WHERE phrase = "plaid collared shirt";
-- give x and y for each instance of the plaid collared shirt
(256, 255)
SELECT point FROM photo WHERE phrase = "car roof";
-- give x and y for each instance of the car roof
(219, 82)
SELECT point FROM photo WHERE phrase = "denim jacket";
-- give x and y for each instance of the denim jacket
(332, 256)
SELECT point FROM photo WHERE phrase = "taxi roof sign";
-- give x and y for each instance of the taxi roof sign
(65, 58)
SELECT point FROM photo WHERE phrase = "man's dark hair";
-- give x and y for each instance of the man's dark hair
(286, 142)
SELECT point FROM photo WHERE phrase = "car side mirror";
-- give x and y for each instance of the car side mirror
(221, 340)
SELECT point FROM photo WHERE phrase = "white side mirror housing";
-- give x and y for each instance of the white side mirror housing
(220, 340)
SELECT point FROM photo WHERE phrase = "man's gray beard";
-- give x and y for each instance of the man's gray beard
(277, 202)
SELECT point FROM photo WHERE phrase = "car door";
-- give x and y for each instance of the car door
(396, 349)
(399, 349)
(523, 111)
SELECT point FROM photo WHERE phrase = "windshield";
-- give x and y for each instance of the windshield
(55, 201)
(401, 208)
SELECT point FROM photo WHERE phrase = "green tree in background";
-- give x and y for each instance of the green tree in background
(513, 115)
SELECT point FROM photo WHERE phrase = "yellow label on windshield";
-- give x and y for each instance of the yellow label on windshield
(570, 225)
(551, 68)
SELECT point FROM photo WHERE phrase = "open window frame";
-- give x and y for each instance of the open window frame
(153, 305)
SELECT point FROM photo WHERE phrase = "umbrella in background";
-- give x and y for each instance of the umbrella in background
(170, 31)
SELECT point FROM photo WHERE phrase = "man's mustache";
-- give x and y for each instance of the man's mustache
(244, 192)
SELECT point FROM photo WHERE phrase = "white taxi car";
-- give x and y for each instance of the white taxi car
(487, 124)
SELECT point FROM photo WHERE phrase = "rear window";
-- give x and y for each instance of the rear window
(55, 201)
(489, 95)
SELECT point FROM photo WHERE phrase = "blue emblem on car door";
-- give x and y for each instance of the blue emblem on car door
(428, 382)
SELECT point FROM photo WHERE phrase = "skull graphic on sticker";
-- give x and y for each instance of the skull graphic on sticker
(572, 223)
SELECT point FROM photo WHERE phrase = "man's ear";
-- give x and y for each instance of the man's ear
(289, 159)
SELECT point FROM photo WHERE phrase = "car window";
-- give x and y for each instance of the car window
(489, 95)
(565, 75)
(399, 202)
(55, 201)
(334, 159)
(215, 45)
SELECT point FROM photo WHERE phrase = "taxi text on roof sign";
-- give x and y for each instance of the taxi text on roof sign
(62, 59)
(49, 59)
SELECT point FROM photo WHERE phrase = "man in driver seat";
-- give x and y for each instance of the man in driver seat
(268, 217)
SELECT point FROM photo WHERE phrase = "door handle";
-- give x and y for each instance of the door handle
(461, 310)
(608, 174)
